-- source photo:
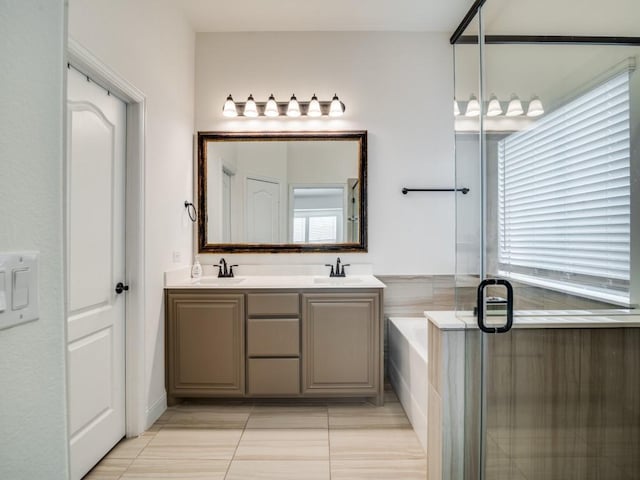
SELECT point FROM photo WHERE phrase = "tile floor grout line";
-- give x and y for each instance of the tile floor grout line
(329, 440)
(244, 429)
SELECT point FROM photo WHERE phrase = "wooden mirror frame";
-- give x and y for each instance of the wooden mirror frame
(204, 137)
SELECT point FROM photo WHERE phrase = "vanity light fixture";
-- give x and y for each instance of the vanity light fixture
(229, 109)
(535, 107)
(515, 107)
(250, 108)
(473, 107)
(271, 108)
(314, 107)
(337, 107)
(293, 108)
(494, 108)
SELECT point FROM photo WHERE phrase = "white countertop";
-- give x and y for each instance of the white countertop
(274, 277)
(450, 320)
(278, 282)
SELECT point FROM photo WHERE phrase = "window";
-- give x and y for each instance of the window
(316, 226)
(317, 213)
(564, 197)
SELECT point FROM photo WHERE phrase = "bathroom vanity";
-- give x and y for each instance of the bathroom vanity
(274, 336)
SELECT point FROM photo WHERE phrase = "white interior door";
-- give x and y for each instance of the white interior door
(263, 211)
(96, 263)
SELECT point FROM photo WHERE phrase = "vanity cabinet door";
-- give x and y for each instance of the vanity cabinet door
(205, 344)
(341, 344)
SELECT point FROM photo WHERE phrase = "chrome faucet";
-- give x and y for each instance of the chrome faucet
(222, 269)
(338, 271)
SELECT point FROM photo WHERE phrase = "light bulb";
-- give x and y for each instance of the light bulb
(473, 107)
(494, 108)
(314, 107)
(337, 108)
(535, 107)
(515, 107)
(250, 109)
(456, 108)
(271, 109)
(229, 109)
(293, 110)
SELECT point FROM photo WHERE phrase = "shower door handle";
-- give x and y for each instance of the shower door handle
(481, 306)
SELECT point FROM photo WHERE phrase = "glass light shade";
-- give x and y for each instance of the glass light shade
(535, 108)
(314, 107)
(456, 108)
(229, 109)
(250, 108)
(336, 109)
(271, 108)
(494, 108)
(293, 110)
(473, 107)
(515, 107)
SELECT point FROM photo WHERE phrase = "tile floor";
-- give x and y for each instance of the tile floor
(264, 440)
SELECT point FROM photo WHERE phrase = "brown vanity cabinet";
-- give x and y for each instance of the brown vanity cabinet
(341, 344)
(299, 343)
(204, 344)
(273, 344)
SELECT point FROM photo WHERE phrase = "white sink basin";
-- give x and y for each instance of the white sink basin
(217, 282)
(337, 280)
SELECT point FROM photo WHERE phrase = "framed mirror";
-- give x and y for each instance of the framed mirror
(282, 192)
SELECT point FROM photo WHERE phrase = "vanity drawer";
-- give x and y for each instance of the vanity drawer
(273, 304)
(273, 337)
(273, 376)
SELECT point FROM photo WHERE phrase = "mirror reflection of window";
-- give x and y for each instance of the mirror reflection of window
(318, 214)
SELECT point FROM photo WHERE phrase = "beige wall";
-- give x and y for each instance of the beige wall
(33, 420)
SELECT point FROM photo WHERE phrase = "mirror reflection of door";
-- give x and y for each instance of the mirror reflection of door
(263, 210)
(226, 206)
(317, 214)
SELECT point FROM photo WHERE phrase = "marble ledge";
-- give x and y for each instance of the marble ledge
(451, 320)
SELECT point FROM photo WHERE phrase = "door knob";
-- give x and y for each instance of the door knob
(121, 287)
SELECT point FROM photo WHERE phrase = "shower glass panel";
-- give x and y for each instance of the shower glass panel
(557, 138)
(467, 154)
(553, 166)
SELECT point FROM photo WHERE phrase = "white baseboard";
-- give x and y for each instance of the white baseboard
(156, 410)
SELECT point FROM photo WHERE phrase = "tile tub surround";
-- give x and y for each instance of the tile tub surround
(445, 399)
(407, 369)
(563, 400)
(254, 440)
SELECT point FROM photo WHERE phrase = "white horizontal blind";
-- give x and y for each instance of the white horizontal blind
(564, 194)
(317, 225)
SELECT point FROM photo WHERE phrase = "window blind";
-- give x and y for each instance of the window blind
(564, 195)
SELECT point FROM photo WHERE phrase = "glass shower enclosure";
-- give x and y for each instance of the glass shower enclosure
(547, 138)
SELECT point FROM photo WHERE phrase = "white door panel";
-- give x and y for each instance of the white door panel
(263, 211)
(91, 207)
(96, 262)
(95, 383)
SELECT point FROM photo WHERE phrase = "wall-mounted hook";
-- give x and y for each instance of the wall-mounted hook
(191, 210)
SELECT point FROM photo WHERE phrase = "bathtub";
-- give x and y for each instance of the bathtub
(407, 369)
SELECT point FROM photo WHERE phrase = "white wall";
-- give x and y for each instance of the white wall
(33, 418)
(150, 44)
(398, 86)
(322, 162)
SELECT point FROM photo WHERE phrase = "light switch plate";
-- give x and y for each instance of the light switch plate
(18, 269)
